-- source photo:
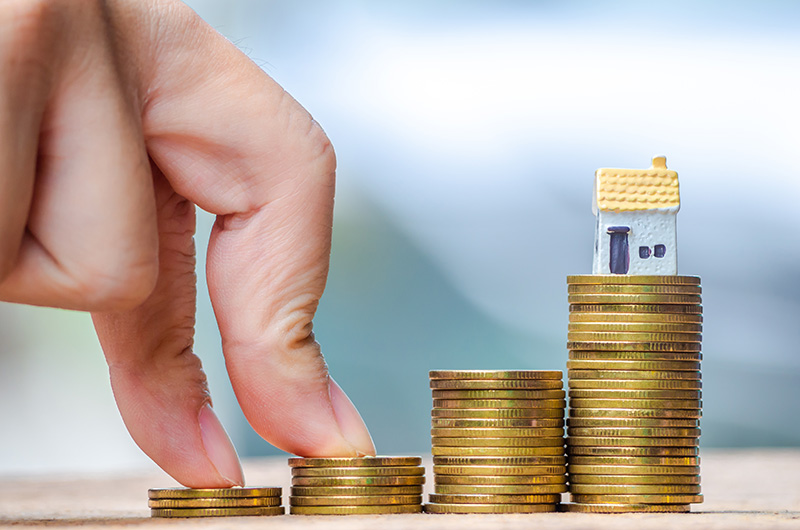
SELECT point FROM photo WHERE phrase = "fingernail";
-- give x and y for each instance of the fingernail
(219, 447)
(350, 423)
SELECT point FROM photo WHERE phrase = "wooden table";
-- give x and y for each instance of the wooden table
(742, 489)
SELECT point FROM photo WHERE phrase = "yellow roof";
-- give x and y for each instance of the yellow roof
(626, 190)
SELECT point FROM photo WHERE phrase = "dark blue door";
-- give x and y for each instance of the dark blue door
(620, 257)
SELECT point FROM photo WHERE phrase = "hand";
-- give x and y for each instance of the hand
(117, 118)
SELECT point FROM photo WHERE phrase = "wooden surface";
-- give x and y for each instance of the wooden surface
(742, 489)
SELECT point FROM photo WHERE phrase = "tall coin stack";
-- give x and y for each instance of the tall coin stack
(222, 502)
(356, 486)
(634, 393)
(498, 441)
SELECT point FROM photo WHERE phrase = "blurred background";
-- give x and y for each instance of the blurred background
(468, 134)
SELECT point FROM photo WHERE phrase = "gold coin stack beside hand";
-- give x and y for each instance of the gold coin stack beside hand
(634, 392)
(356, 486)
(498, 441)
(222, 502)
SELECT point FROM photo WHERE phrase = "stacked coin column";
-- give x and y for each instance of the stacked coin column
(498, 441)
(222, 502)
(634, 392)
(356, 486)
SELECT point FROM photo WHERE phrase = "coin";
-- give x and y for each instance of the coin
(596, 316)
(495, 374)
(355, 510)
(550, 491)
(357, 471)
(487, 480)
(497, 451)
(634, 470)
(358, 481)
(496, 384)
(632, 442)
(216, 493)
(503, 462)
(640, 336)
(524, 442)
(519, 423)
(498, 413)
(689, 299)
(625, 508)
(575, 478)
(630, 345)
(633, 289)
(354, 500)
(637, 384)
(216, 512)
(499, 403)
(651, 375)
(628, 327)
(613, 355)
(632, 422)
(539, 469)
(635, 460)
(637, 499)
(494, 499)
(634, 431)
(498, 394)
(637, 308)
(489, 508)
(634, 413)
(628, 489)
(360, 461)
(229, 502)
(631, 279)
(335, 491)
(621, 403)
(520, 432)
(584, 450)
(634, 394)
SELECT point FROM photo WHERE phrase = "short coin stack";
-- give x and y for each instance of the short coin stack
(634, 389)
(223, 502)
(498, 441)
(356, 486)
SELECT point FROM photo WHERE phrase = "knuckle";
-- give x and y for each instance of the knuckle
(116, 285)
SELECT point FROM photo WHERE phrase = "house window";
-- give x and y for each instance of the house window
(660, 251)
(619, 261)
(644, 252)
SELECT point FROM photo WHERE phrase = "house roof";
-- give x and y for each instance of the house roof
(626, 190)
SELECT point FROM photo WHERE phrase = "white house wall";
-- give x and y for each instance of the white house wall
(648, 228)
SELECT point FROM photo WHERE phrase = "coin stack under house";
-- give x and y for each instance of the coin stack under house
(634, 393)
(498, 441)
(356, 486)
(223, 502)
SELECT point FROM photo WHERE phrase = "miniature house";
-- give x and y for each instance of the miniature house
(636, 213)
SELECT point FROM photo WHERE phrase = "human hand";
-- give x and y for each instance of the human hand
(117, 118)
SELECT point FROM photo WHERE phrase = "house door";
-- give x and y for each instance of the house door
(620, 257)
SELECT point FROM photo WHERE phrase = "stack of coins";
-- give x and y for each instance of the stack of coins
(634, 391)
(498, 441)
(353, 486)
(223, 502)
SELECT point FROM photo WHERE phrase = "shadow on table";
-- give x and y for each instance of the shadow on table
(78, 521)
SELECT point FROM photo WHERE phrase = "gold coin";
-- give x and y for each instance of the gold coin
(633, 470)
(631, 279)
(356, 510)
(216, 493)
(360, 461)
(519, 423)
(498, 413)
(633, 479)
(637, 499)
(357, 471)
(542, 469)
(358, 481)
(652, 375)
(498, 442)
(496, 384)
(203, 502)
(338, 491)
(636, 327)
(632, 346)
(498, 394)
(691, 404)
(613, 355)
(627, 489)
(499, 403)
(639, 336)
(637, 308)
(354, 500)
(505, 463)
(488, 480)
(497, 451)
(633, 422)
(634, 431)
(677, 318)
(551, 491)
(635, 394)
(488, 432)
(620, 441)
(494, 499)
(683, 366)
(584, 450)
(636, 384)
(489, 508)
(634, 413)
(635, 460)
(633, 289)
(495, 374)
(639, 298)
(216, 512)
(625, 508)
